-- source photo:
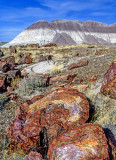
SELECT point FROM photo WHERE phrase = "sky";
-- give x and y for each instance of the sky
(17, 15)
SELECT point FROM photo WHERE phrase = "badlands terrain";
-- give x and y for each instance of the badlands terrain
(66, 32)
(58, 102)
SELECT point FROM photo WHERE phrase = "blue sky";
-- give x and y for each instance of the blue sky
(16, 15)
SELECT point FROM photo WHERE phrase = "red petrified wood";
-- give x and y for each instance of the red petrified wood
(109, 84)
(81, 63)
(85, 142)
(68, 78)
(61, 109)
(28, 59)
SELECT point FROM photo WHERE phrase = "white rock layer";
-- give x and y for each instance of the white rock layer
(43, 32)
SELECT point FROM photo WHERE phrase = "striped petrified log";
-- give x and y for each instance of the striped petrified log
(85, 142)
(38, 123)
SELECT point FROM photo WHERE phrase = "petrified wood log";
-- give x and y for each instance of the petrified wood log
(85, 142)
(68, 78)
(109, 84)
(59, 110)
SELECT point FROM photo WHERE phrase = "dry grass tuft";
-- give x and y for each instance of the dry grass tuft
(56, 69)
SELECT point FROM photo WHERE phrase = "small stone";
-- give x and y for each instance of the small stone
(82, 63)
(28, 59)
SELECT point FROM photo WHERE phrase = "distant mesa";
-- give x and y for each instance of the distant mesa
(66, 32)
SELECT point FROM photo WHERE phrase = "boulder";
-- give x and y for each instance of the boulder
(109, 83)
(87, 141)
(59, 110)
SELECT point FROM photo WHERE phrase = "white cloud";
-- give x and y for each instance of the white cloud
(56, 9)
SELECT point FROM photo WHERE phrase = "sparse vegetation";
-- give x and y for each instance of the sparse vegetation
(57, 68)
(14, 156)
(29, 86)
(3, 99)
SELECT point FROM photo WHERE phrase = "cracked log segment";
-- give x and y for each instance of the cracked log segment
(109, 83)
(87, 141)
(38, 123)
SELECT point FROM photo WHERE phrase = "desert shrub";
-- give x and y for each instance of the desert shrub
(56, 69)
(29, 86)
(14, 156)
